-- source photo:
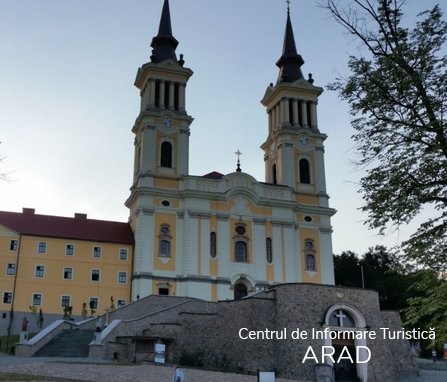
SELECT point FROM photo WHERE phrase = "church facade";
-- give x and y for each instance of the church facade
(217, 236)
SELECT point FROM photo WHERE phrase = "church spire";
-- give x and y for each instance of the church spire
(290, 62)
(164, 44)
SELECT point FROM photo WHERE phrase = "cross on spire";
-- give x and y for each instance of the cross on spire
(238, 153)
(288, 6)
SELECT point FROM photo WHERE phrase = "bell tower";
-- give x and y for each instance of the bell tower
(161, 156)
(162, 127)
(293, 150)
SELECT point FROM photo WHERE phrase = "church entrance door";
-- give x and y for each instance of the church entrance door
(345, 370)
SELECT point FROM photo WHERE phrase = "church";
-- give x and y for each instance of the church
(221, 253)
(223, 236)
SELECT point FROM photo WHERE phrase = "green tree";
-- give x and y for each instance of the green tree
(428, 306)
(397, 92)
(347, 269)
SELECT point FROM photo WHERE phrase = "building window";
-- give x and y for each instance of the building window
(240, 291)
(166, 154)
(68, 273)
(95, 275)
(65, 301)
(240, 251)
(93, 303)
(341, 318)
(7, 297)
(123, 254)
(304, 169)
(309, 253)
(41, 247)
(164, 244)
(213, 244)
(240, 243)
(268, 250)
(37, 299)
(11, 269)
(274, 176)
(163, 291)
(13, 245)
(121, 303)
(310, 263)
(96, 251)
(122, 277)
(69, 249)
(40, 271)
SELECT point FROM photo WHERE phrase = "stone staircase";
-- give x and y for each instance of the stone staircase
(70, 343)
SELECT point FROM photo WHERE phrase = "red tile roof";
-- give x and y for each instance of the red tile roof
(79, 227)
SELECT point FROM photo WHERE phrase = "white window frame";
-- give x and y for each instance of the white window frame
(43, 271)
(97, 250)
(3, 300)
(119, 275)
(120, 303)
(92, 299)
(44, 245)
(32, 299)
(63, 273)
(66, 249)
(62, 299)
(123, 250)
(14, 243)
(99, 275)
(8, 268)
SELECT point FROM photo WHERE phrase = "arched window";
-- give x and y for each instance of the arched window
(274, 178)
(310, 263)
(166, 154)
(341, 318)
(240, 291)
(304, 169)
(309, 255)
(268, 250)
(213, 244)
(240, 251)
(164, 244)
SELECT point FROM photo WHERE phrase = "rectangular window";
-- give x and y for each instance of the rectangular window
(96, 251)
(68, 273)
(7, 297)
(40, 271)
(95, 274)
(37, 299)
(11, 269)
(65, 301)
(41, 247)
(123, 254)
(93, 303)
(69, 249)
(14, 245)
(122, 277)
(121, 303)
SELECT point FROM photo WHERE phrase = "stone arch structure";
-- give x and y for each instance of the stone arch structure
(359, 324)
(242, 285)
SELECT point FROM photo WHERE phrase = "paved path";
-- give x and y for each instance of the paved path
(107, 371)
(85, 369)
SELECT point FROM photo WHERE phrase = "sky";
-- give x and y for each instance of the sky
(68, 103)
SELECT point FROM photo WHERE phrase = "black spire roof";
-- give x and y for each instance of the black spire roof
(164, 43)
(290, 62)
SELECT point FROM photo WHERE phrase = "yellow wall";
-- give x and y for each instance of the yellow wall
(53, 285)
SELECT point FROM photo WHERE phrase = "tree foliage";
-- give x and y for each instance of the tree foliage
(381, 270)
(397, 92)
(428, 306)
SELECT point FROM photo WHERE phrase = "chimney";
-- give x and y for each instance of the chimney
(28, 211)
(80, 216)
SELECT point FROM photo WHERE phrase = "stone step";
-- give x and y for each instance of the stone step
(70, 343)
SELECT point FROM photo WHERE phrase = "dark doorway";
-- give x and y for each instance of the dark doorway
(240, 291)
(345, 370)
